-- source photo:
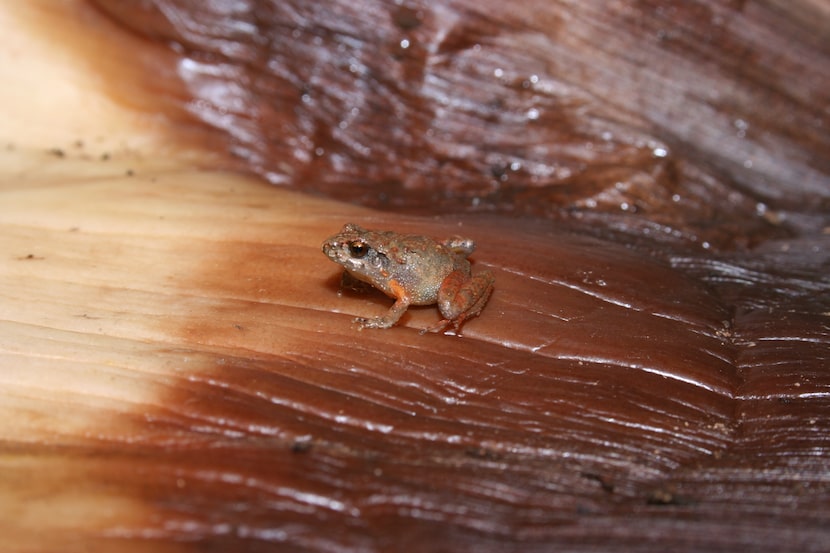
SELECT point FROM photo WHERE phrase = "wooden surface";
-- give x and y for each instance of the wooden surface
(178, 366)
(178, 372)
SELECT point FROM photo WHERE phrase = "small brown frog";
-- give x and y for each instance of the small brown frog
(413, 269)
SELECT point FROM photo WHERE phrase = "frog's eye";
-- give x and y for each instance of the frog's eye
(358, 249)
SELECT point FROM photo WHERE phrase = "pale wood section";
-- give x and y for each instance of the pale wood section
(50, 98)
(92, 244)
(99, 274)
(100, 294)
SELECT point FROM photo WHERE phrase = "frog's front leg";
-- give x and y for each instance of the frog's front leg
(402, 302)
(462, 297)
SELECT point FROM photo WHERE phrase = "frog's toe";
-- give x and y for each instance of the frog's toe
(435, 328)
(373, 322)
(442, 325)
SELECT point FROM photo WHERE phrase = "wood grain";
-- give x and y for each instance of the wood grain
(179, 373)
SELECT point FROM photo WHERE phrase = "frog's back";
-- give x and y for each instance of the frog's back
(422, 266)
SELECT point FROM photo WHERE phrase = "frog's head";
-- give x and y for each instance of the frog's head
(354, 249)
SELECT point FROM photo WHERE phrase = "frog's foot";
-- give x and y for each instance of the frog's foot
(373, 322)
(441, 325)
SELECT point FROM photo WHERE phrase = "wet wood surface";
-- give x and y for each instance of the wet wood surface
(179, 373)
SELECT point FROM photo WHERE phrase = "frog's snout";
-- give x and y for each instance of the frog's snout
(329, 250)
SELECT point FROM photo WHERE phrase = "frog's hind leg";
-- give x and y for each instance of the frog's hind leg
(462, 297)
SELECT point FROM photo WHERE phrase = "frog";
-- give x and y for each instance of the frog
(412, 269)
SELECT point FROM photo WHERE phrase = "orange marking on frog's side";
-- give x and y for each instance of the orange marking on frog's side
(397, 289)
